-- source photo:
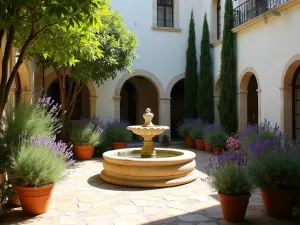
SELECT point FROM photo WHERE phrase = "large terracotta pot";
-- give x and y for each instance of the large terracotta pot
(84, 152)
(190, 142)
(14, 198)
(35, 200)
(234, 207)
(207, 146)
(278, 203)
(200, 144)
(119, 145)
(217, 151)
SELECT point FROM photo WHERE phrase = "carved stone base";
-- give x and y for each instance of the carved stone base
(122, 169)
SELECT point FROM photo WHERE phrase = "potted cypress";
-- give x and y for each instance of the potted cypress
(229, 175)
(35, 168)
(116, 132)
(275, 169)
(197, 134)
(217, 139)
(85, 136)
(165, 140)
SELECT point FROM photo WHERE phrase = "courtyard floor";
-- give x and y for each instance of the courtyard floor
(82, 198)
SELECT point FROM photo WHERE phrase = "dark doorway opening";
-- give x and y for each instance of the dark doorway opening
(177, 106)
(252, 101)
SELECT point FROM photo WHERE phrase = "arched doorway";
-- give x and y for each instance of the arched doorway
(296, 103)
(252, 101)
(128, 103)
(177, 106)
(82, 106)
(137, 94)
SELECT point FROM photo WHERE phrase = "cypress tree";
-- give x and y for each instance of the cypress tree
(205, 101)
(191, 76)
(228, 79)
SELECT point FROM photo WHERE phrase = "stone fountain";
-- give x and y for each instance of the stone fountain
(148, 167)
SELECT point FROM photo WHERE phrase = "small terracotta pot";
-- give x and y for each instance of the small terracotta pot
(14, 198)
(35, 200)
(217, 151)
(84, 152)
(200, 144)
(207, 146)
(190, 142)
(234, 207)
(119, 145)
(165, 143)
(278, 203)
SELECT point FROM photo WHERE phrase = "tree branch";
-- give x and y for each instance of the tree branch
(45, 27)
(75, 96)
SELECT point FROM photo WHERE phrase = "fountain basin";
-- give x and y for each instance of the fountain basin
(172, 167)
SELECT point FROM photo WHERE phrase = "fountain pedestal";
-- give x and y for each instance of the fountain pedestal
(148, 150)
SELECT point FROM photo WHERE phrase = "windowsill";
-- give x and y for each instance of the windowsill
(216, 43)
(166, 29)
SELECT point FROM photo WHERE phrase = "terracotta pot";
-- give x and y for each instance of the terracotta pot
(278, 203)
(217, 151)
(200, 144)
(190, 142)
(234, 207)
(35, 200)
(14, 198)
(165, 143)
(84, 152)
(119, 145)
(207, 147)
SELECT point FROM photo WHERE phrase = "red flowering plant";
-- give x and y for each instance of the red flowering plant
(233, 144)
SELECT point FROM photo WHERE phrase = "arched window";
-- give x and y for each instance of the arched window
(219, 19)
(296, 104)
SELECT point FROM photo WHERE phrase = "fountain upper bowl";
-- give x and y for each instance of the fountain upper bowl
(148, 130)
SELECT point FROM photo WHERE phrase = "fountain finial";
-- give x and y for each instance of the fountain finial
(148, 116)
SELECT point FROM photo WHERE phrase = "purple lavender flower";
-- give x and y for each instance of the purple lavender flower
(211, 127)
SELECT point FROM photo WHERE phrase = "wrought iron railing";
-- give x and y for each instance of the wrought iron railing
(253, 8)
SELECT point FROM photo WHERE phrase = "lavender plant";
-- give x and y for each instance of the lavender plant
(37, 118)
(184, 128)
(116, 131)
(196, 132)
(40, 161)
(229, 174)
(86, 133)
(216, 139)
(275, 164)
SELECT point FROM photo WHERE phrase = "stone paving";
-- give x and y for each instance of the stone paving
(82, 198)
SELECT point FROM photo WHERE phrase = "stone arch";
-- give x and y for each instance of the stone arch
(245, 76)
(24, 77)
(51, 77)
(163, 100)
(217, 90)
(143, 73)
(172, 82)
(286, 94)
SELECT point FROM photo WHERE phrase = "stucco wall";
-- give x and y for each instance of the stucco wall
(267, 48)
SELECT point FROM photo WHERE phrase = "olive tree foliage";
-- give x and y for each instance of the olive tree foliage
(109, 51)
(28, 23)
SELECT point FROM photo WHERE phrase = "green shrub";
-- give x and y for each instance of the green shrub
(216, 138)
(39, 162)
(197, 131)
(118, 134)
(229, 174)
(86, 134)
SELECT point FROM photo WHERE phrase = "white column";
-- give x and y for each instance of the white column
(242, 108)
(286, 110)
(164, 109)
(117, 111)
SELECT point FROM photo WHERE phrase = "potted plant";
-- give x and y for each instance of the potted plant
(117, 133)
(184, 129)
(85, 136)
(217, 139)
(275, 169)
(229, 175)
(197, 134)
(207, 129)
(35, 168)
(165, 140)
(233, 144)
